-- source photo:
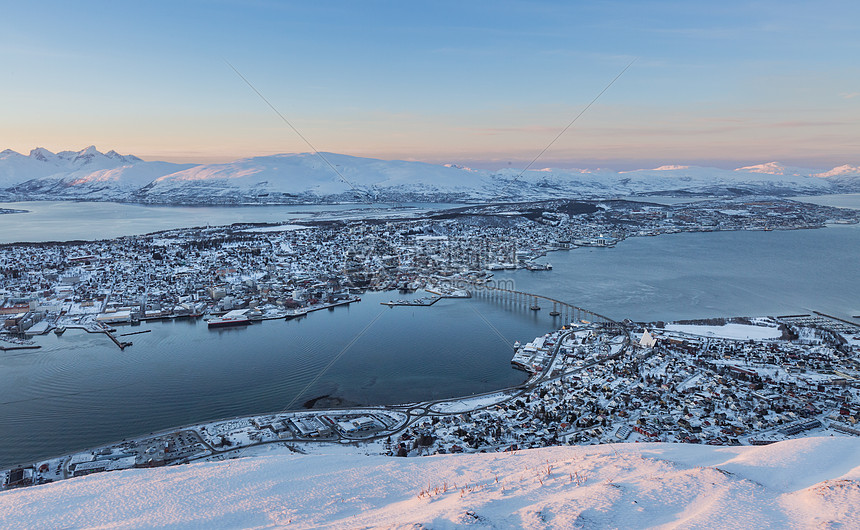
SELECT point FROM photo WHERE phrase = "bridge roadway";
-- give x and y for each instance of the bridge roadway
(522, 297)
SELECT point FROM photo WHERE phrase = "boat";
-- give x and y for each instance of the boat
(554, 313)
(294, 313)
(222, 322)
(232, 318)
(535, 307)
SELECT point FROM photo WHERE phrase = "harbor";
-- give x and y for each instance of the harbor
(560, 398)
(187, 373)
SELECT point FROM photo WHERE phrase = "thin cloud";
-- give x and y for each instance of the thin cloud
(788, 124)
(492, 131)
(849, 95)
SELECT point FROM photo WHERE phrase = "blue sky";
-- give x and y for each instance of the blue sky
(483, 83)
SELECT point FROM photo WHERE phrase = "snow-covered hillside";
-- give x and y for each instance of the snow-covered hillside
(306, 176)
(802, 483)
(84, 174)
(298, 178)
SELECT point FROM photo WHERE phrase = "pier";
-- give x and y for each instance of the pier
(831, 317)
(317, 307)
(135, 333)
(22, 347)
(419, 302)
(121, 345)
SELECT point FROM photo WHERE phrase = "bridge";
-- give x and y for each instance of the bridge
(566, 312)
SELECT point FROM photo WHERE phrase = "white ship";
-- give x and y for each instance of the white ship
(236, 317)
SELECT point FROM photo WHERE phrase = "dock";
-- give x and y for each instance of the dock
(444, 292)
(135, 333)
(109, 332)
(121, 345)
(21, 347)
(419, 302)
(317, 307)
(831, 317)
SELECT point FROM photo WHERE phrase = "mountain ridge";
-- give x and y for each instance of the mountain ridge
(287, 178)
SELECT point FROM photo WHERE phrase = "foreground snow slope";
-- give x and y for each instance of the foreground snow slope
(798, 483)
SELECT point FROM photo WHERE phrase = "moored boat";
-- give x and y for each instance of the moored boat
(232, 318)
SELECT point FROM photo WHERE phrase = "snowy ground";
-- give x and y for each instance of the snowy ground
(469, 404)
(728, 331)
(797, 483)
(278, 228)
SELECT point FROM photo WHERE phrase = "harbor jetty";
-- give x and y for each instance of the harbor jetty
(319, 306)
(21, 347)
(427, 301)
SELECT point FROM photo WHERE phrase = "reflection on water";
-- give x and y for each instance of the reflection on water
(79, 390)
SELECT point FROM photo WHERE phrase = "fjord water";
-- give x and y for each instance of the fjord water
(80, 391)
(710, 274)
(87, 221)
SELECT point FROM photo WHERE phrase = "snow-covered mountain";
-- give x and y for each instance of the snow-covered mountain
(803, 483)
(776, 168)
(841, 171)
(306, 177)
(87, 173)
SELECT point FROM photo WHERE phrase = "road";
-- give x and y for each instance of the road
(415, 412)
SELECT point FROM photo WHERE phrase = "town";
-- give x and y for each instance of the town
(743, 381)
(594, 380)
(281, 271)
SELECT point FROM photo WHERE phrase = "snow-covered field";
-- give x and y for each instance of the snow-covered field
(278, 228)
(729, 331)
(811, 482)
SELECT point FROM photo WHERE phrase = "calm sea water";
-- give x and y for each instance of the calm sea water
(68, 221)
(80, 391)
(845, 200)
(700, 275)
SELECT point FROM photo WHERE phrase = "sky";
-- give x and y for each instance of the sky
(479, 83)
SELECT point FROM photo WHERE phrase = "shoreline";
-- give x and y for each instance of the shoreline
(698, 229)
(405, 409)
(348, 426)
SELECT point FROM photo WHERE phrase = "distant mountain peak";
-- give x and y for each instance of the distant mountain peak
(670, 167)
(85, 156)
(840, 171)
(771, 168)
(91, 150)
(42, 154)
